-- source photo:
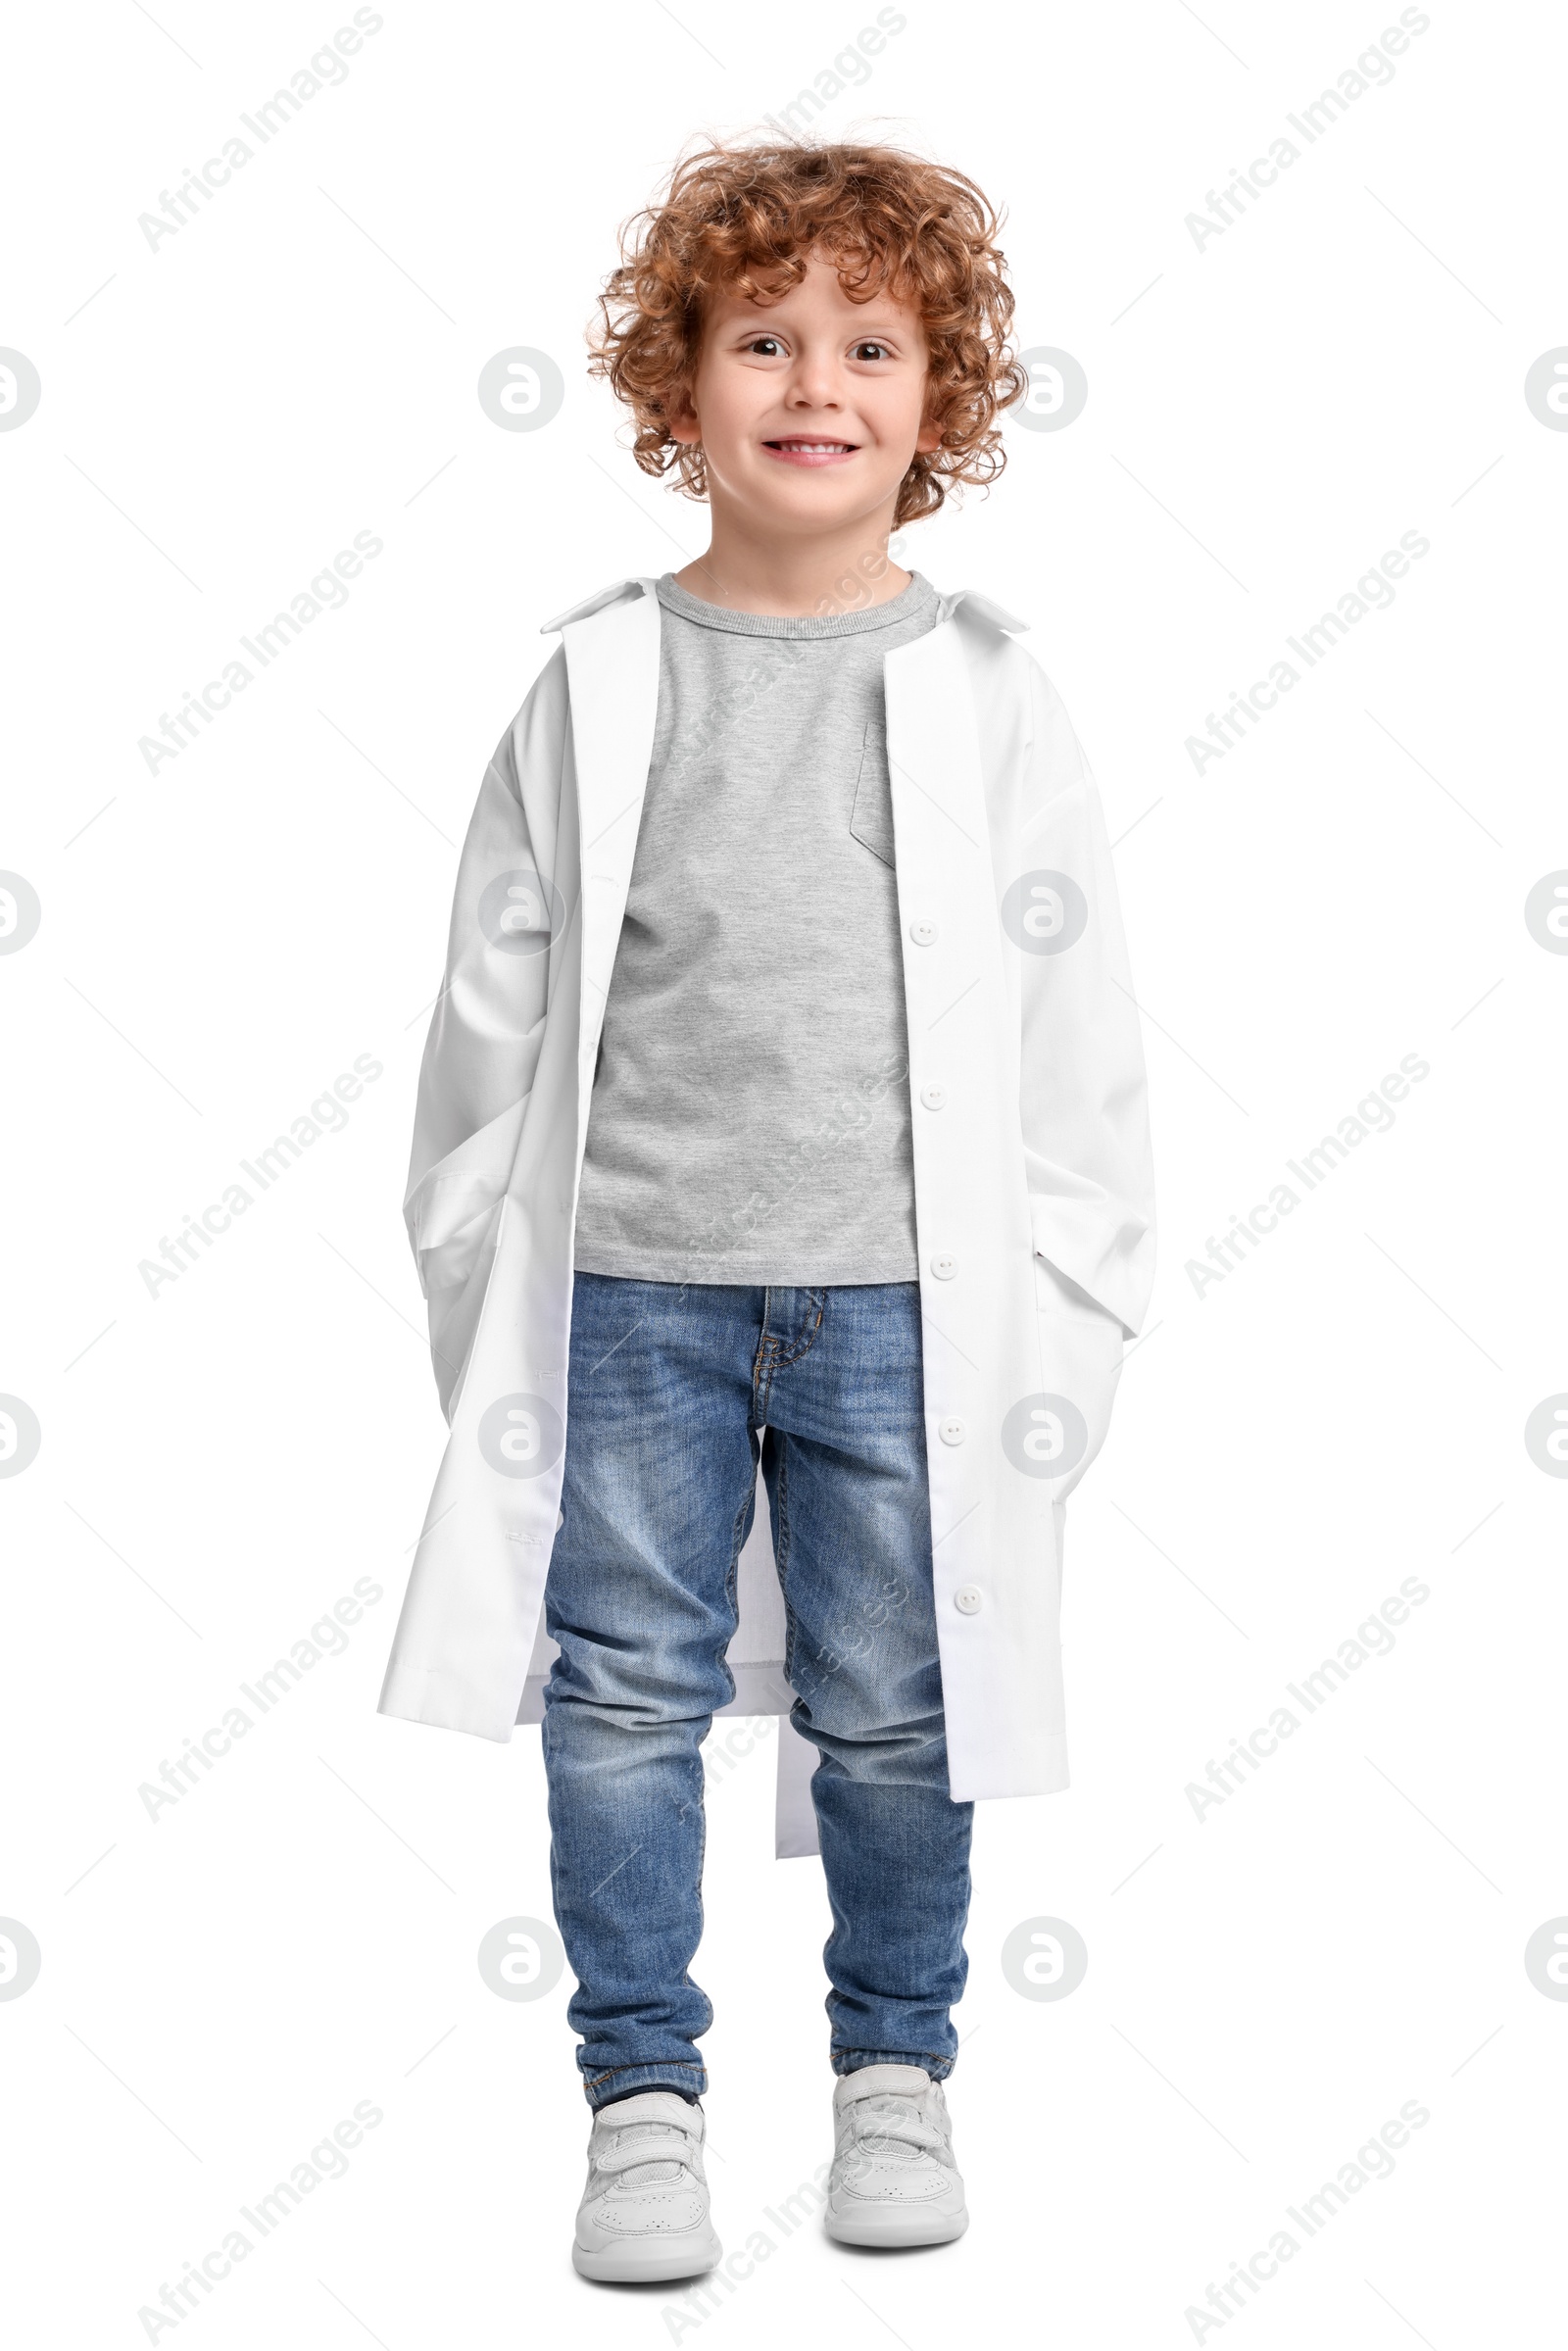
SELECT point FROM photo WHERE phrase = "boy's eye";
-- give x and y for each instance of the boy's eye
(875, 351)
(767, 346)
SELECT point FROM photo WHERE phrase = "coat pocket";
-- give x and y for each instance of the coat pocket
(1080, 1363)
(871, 817)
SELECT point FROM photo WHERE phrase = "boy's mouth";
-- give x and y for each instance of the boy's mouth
(808, 448)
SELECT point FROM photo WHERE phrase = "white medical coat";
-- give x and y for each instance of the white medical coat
(1034, 1210)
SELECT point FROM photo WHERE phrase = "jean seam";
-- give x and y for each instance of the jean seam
(648, 2065)
(762, 1370)
(732, 1577)
(902, 2057)
(702, 1863)
(783, 1563)
(793, 1355)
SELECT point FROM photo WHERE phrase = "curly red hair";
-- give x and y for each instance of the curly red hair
(745, 220)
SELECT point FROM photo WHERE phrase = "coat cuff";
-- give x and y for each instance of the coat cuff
(416, 1693)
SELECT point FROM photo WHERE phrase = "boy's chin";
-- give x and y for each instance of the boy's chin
(796, 502)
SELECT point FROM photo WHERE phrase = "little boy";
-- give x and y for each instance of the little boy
(784, 1106)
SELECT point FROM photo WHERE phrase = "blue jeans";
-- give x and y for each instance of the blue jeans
(676, 1390)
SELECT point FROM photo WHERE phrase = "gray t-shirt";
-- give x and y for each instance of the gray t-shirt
(750, 1119)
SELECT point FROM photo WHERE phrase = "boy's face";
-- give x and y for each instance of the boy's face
(809, 408)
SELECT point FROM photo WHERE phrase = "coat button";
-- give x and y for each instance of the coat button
(933, 1096)
(944, 1268)
(953, 1431)
(966, 1599)
(923, 931)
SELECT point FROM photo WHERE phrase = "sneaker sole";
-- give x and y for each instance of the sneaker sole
(648, 2264)
(896, 2228)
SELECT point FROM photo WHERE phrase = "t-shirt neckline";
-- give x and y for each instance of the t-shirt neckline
(909, 601)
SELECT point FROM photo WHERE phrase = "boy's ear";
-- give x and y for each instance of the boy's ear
(683, 424)
(928, 438)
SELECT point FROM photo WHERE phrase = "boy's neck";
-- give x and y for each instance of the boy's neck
(790, 578)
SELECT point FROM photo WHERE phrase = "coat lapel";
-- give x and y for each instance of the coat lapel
(613, 667)
(933, 747)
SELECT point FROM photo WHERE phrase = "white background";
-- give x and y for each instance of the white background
(1266, 1984)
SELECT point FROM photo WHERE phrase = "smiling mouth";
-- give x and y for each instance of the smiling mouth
(801, 449)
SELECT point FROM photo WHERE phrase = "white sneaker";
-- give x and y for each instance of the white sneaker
(644, 2213)
(893, 2178)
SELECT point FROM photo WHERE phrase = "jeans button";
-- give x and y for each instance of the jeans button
(933, 1096)
(953, 1431)
(966, 1599)
(944, 1268)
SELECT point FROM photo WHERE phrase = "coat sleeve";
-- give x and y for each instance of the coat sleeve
(489, 1021)
(1083, 1092)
